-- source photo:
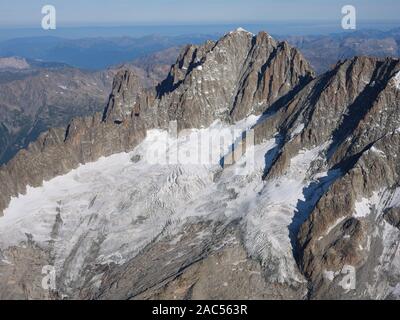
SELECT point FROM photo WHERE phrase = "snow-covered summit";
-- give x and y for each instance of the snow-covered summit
(241, 30)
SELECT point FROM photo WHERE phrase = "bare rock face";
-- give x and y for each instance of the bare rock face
(123, 99)
(21, 272)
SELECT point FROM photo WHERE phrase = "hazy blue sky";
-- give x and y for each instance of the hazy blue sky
(134, 12)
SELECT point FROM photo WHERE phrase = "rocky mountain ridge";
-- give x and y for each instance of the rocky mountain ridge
(37, 96)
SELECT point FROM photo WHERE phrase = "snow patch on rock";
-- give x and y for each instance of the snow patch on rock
(299, 129)
(396, 80)
(333, 226)
(364, 206)
(378, 151)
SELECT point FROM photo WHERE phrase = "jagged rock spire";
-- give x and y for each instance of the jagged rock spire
(124, 97)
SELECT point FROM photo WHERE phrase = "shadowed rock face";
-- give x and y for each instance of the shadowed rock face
(332, 173)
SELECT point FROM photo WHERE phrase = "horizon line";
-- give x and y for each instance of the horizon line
(116, 24)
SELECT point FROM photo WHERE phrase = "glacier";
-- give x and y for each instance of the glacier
(121, 203)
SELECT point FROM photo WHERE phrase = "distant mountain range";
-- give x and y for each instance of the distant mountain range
(37, 97)
(92, 53)
(325, 50)
(100, 53)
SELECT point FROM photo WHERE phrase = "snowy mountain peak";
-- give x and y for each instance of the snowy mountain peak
(240, 29)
